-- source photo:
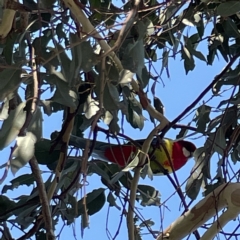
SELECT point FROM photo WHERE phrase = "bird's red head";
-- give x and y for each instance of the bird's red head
(182, 151)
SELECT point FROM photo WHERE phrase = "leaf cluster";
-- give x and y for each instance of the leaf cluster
(67, 63)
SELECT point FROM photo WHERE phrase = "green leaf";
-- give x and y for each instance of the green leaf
(40, 43)
(64, 94)
(23, 152)
(94, 202)
(10, 80)
(42, 154)
(200, 27)
(235, 155)
(193, 187)
(224, 50)
(228, 8)
(211, 55)
(148, 195)
(218, 140)
(90, 107)
(145, 77)
(136, 51)
(35, 126)
(176, 43)
(211, 187)
(150, 26)
(189, 64)
(110, 97)
(165, 57)
(12, 125)
(50, 107)
(59, 31)
(146, 223)
(41, 235)
(5, 205)
(84, 222)
(26, 217)
(199, 55)
(71, 166)
(76, 56)
(113, 126)
(136, 120)
(202, 117)
(25, 179)
(95, 168)
(188, 22)
(112, 201)
(230, 28)
(8, 48)
(89, 58)
(195, 181)
(194, 40)
(183, 132)
(65, 62)
(4, 109)
(158, 105)
(133, 162)
(38, 21)
(125, 76)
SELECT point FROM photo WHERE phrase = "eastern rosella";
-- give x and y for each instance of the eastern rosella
(179, 152)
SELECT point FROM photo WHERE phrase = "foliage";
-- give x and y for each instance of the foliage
(51, 51)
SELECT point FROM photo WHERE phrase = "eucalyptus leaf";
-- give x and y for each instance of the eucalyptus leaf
(5, 205)
(42, 152)
(35, 126)
(64, 61)
(189, 64)
(10, 80)
(94, 202)
(218, 140)
(76, 56)
(112, 201)
(136, 51)
(24, 151)
(90, 107)
(133, 162)
(89, 58)
(12, 125)
(125, 76)
(228, 8)
(25, 179)
(64, 94)
(148, 195)
(202, 117)
(193, 186)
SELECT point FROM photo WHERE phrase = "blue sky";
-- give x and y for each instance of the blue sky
(179, 91)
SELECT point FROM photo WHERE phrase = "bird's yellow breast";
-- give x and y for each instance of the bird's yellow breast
(162, 156)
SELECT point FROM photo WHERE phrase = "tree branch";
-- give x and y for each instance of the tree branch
(143, 154)
(47, 216)
(226, 195)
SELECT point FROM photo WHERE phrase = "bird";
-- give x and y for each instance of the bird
(160, 153)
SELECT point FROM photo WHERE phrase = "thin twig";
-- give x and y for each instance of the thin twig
(143, 154)
(47, 216)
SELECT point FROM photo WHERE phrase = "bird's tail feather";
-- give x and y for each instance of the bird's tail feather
(99, 147)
